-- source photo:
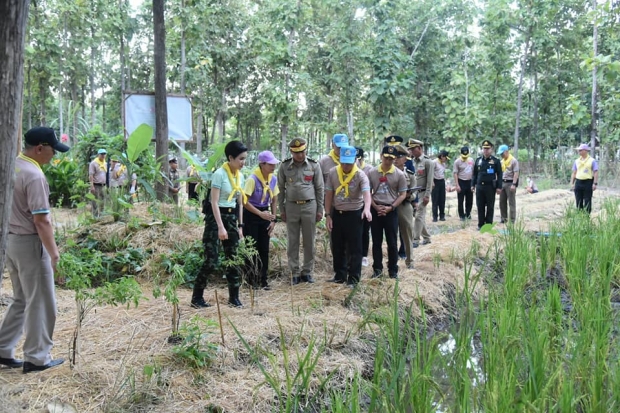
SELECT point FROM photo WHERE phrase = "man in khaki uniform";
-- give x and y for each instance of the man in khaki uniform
(405, 210)
(327, 162)
(510, 181)
(301, 201)
(97, 171)
(424, 170)
(388, 188)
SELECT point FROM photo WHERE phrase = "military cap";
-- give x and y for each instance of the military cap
(297, 145)
(401, 150)
(172, 160)
(486, 144)
(392, 140)
(414, 143)
(389, 151)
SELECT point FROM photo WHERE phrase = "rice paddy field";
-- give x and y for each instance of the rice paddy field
(518, 319)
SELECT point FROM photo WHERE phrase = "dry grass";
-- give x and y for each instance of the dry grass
(119, 342)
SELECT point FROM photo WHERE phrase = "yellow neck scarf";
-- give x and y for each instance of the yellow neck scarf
(506, 162)
(192, 170)
(464, 157)
(265, 182)
(235, 182)
(362, 164)
(102, 164)
(29, 159)
(389, 171)
(121, 171)
(344, 182)
(332, 154)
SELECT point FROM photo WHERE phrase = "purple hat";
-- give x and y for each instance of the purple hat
(267, 157)
(583, 147)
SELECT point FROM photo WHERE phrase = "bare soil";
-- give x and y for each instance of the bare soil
(117, 343)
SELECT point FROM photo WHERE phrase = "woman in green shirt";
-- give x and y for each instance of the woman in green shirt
(224, 223)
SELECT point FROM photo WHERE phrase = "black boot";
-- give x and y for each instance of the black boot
(198, 300)
(233, 297)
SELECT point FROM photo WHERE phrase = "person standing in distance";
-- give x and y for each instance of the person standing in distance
(584, 178)
(97, 172)
(462, 171)
(424, 174)
(32, 256)
(487, 181)
(405, 209)
(510, 182)
(439, 186)
(347, 206)
(366, 230)
(174, 186)
(262, 191)
(300, 201)
(327, 162)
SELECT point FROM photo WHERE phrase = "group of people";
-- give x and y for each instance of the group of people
(103, 175)
(355, 197)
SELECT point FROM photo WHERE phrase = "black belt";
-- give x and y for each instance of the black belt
(347, 212)
(98, 184)
(486, 183)
(227, 210)
(305, 201)
(262, 209)
(507, 180)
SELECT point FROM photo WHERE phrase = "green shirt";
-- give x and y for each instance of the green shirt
(220, 180)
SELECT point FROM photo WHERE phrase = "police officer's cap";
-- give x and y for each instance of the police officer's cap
(297, 145)
(392, 140)
(486, 144)
(401, 150)
(414, 143)
(172, 160)
(389, 151)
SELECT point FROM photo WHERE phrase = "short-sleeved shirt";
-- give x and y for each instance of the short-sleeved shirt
(326, 163)
(30, 196)
(300, 182)
(250, 186)
(97, 172)
(463, 169)
(386, 189)
(509, 173)
(424, 173)
(440, 169)
(358, 185)
(220, 180)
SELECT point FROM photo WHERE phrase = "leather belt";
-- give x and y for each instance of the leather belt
(96, 184)
(507, 180)
(347, 212)
(227, 210)
(305, 201)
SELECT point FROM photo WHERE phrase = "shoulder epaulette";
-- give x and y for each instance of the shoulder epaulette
(287, 159)
(311, 160)
(409, 171)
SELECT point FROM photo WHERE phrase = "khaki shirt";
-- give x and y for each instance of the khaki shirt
(300, 182)
(358, 185)
(326, 163)
(386, 189)
(424, 173)
(174, 178)
(411, 183)
(509, 173)
(30, 197)
(440, 169)
(96, 172)
(463, 169)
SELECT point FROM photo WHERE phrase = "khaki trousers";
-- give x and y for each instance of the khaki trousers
(99, 201)
(507, 199)
(33, 311)
(405, 226)
(301, 219)
(419, 225)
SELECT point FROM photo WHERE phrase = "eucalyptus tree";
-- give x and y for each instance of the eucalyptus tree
(13, 18)
(161, 108)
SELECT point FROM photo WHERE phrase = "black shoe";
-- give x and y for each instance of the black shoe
(294, 280)
(266, 287)
(12, 363)
(416, 244)
(463, 219)
(29, 367)
(442, 219)
(435, 219)
(377, 273)
(234, 302)
(307, 279)
(336, 281)
(199, 303)
(394, 276)
(426, 242)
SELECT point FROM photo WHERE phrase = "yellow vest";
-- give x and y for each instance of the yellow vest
(584, 168)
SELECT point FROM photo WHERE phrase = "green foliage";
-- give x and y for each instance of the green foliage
(196, 349)
(65, 189)
(188, 256)
(138, 141)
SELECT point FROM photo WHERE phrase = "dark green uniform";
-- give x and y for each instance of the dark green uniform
(487, 179)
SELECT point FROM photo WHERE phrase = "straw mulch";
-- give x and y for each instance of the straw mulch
(118, 342)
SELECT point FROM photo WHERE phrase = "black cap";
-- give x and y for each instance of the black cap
(173, 159)
(359, 152)
(443, 153)
(392, 140)
(42, 135)
(486, 144)
(465, 150)
(389, 151)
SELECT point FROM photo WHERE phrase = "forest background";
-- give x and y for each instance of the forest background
(541, 75)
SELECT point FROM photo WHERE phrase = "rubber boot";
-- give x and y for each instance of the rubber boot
(233, 297)
(198, 300)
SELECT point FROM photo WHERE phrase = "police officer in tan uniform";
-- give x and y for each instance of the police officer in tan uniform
(424, 172)
(301, 202)
(405, 209)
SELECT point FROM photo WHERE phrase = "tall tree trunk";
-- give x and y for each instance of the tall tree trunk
(350, 124)
(74, 112)
(199, 130)
(161, 108)
(42, 97)
(593, 130)
(520, 94)
(183, 59)
(29, 97)
(535, 110)
(91, 75)
(13, 17)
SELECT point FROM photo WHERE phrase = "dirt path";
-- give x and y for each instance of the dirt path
(118, 342)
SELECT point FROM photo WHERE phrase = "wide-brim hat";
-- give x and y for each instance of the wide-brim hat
(583, 147)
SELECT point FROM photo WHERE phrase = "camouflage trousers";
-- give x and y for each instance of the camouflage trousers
(213, 246)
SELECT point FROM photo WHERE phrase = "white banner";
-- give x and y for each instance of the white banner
(140, 108)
